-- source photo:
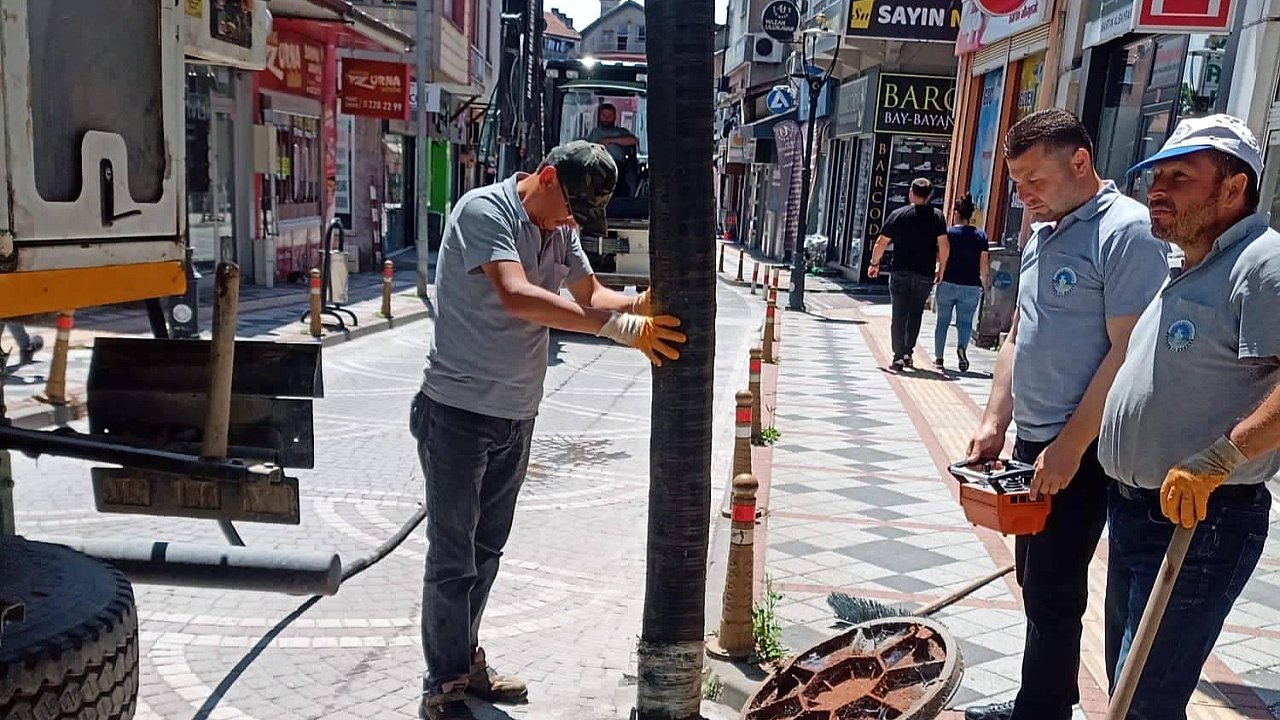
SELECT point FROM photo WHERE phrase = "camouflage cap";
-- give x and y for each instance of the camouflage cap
(588, 175)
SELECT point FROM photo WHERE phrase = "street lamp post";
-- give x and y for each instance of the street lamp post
(813, 80)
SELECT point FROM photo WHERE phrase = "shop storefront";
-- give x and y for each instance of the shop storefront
(214, 208)
(1139, 85)
(1004, 51)
(912, 125)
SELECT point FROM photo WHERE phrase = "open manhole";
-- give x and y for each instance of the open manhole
(889, 669)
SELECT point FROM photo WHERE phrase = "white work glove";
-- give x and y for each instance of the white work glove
(648, 335)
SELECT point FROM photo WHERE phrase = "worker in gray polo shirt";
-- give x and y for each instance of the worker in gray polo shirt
(1202, 373)
(1085, 279)
(507, 251)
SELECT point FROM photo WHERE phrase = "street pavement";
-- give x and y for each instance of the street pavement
(861, 503)
(566, 610)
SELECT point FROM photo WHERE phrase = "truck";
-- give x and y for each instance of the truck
(93, 213)
(575, 90)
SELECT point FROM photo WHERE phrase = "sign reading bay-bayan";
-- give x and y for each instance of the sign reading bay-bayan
(928, 20)
(915, 104)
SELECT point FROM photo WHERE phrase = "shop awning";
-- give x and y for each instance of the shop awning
(762, 129)
(341, 11)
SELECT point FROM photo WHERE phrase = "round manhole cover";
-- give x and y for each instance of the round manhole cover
(890, 669)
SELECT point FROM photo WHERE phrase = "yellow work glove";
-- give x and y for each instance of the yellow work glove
(648, 335)
(642, 306)
(1184, 497)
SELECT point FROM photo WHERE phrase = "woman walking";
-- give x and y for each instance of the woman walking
(962, 283)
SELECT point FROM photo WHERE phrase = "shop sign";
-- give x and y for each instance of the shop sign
(1108, 20)
(915, 104)
(737, 152)
(780, 20)
(295, 65)
(1186, 16)
(877, 192)
(980, 26)
(929, 20)
(851, 107)
(371, 88)
(195, 8)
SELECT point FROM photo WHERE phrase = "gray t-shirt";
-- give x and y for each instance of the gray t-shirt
(601, 133)
(1203, 356)
(483, 358)
(1099, 262)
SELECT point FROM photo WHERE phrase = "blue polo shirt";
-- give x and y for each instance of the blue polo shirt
(1205, 354)
(1097, 263)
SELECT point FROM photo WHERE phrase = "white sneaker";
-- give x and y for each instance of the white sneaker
(924, 166)
(898, 199)
(902, 166)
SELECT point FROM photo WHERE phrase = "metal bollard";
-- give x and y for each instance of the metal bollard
(742, 434)
(755, 278)
(741, 260)
(770, 310)
(736, 639)
(222, 355)
(720, 266)
(388, 270)
(316, 327)
(55, 389)
(753, 385)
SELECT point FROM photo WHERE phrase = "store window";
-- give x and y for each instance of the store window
(1121, 116)
(985, 141)
(210, 164)
(297, 180)
(1030, 75)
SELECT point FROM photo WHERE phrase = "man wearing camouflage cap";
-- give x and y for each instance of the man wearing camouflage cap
(507, 251)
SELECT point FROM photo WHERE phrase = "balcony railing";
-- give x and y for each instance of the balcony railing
(477, 65)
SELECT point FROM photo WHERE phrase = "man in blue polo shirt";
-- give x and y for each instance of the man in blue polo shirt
(1086, 276)
(1203, 371)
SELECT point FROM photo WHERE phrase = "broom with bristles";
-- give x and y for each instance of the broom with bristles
(857, 610)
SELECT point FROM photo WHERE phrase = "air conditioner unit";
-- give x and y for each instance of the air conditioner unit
(765, 49)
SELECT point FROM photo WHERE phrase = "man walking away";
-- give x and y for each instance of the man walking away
(1203, 371)
(1084, 281)
(507, 250)
(919, 236)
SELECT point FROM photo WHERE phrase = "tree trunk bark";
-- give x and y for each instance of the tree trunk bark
(682, 264)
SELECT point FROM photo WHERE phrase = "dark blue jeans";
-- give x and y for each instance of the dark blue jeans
(1222, 556)
(474, 466)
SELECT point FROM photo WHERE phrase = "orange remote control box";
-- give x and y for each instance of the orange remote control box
(996, 494)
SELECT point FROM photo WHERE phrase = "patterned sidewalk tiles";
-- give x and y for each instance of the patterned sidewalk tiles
(860, 503)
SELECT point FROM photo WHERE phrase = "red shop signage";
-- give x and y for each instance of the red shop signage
(295, 65)
(372, 88)
(1184, 15)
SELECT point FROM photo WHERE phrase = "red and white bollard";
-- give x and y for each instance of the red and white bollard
(769, 313)
(742, 434)
(755, 278)
(55, 388)
(736, 639)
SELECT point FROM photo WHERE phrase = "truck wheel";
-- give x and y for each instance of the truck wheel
(75, 654)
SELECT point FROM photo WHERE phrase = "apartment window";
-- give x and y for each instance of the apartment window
(640, 35)
(622, 43)
(458, 12)
(607, 37)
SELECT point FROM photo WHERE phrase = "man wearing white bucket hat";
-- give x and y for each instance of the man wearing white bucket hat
(1202, 371)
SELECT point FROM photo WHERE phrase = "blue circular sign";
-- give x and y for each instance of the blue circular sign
(1003, 280)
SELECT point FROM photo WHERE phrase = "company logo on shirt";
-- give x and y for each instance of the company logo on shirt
(1064, 281)
(1180, 336)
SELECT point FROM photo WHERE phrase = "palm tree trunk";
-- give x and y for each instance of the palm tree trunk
(682, 256)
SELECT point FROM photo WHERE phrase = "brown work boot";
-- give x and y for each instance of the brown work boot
(488, 685)
(446, 706)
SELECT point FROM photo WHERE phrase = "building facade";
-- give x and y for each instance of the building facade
(618, 34)
(561, 41)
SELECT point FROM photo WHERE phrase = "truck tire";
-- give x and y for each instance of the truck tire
(75, 654)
